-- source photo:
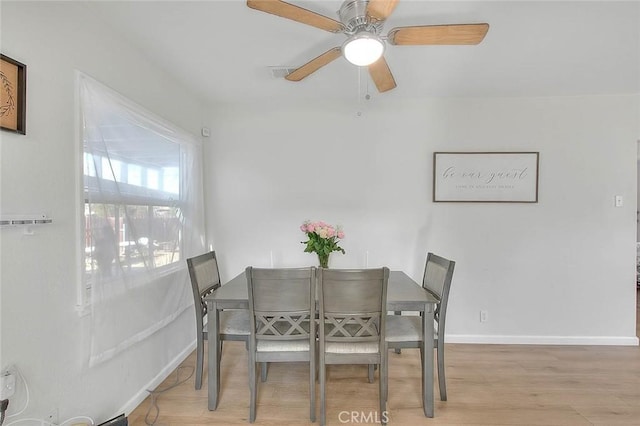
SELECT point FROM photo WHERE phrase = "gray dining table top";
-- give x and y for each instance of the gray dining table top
(403, 294)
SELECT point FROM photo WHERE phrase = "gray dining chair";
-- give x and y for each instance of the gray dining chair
(353, 306)
(405, 331)
(282, 307)
(233, 324)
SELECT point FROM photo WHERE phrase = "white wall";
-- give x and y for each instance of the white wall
(559, 271)
(41, 332)
(638, 195)
(570, 257)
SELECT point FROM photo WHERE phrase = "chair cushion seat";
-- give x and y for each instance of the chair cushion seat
(234, 322)
(352, 347)
(301, 345)
(405, 328)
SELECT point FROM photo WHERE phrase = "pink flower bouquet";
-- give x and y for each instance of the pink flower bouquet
(323, 239)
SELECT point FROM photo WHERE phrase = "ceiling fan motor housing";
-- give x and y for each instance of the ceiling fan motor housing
(353, 15)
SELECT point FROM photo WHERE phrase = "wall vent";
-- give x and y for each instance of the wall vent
(281, 72)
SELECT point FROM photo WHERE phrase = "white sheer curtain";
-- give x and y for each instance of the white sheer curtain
(144, 216)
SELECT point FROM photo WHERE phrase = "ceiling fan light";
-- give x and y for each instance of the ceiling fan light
(363, 48)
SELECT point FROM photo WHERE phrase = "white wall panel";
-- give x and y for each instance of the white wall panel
(561, 270)
(42, 334)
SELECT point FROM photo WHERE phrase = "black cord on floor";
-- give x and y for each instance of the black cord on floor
(156, 393)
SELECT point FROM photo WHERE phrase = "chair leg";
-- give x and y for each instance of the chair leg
(312, 388)
(442, 382)
(422, 372)
(397, 350)
(384, 391)
(199, 360)
(386, 373)
(371, 374)
(220, 359)
(263, 371)
(253, 388)
(323, 379)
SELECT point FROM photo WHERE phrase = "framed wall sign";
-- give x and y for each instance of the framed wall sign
(485, 177)
(13, 95)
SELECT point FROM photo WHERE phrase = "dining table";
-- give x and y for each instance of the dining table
(403, 294)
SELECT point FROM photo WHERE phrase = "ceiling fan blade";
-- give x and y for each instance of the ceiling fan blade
(381, 75)
(438, 34)
(381, 9)
(296, 13)
(315, 64)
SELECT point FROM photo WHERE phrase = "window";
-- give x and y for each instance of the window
(143, 216)
(132, 185)
(132, 208)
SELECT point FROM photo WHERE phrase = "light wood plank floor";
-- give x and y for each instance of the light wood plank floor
(487, 385)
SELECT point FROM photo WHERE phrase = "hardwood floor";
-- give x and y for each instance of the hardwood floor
(487, 385)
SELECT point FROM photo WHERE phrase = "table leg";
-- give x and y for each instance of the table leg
(213, 363)
(427, 360)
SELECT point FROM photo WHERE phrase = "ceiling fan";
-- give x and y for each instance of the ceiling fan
(362, 22)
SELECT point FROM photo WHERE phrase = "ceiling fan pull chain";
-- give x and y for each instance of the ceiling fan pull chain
(359, 85)
(359, 109)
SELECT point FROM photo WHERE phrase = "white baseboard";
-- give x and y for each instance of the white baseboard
(543, 340)
(137, 399)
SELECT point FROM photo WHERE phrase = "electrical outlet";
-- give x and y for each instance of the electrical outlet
(7, 385)
(484, 316)
(51, 418)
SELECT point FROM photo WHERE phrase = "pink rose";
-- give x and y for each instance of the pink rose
(310, 227)
(303, 227)
(340, 234)
(331, 232)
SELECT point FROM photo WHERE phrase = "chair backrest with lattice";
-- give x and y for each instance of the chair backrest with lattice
(352, 304)
(282, 303)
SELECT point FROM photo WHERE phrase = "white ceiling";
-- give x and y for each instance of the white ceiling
(222, 50)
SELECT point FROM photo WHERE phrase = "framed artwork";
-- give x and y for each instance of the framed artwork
(485, 177)
(13, 95)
